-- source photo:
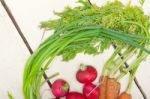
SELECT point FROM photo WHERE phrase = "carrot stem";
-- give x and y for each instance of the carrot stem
(112, 61)
(109, 61)
(133, 72)
(135, 64)
(115, 69)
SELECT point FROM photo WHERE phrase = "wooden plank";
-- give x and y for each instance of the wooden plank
(13, 55)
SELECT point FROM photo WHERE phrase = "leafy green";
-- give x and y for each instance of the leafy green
(111, 16)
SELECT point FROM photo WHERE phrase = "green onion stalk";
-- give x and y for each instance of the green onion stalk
(90, 30)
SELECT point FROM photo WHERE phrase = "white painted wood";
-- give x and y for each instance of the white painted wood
(13, 53)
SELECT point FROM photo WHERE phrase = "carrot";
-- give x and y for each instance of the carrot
(113, 89)
(125, 96)
(102, 87)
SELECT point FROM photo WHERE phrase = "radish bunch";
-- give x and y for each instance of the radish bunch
(85, 75)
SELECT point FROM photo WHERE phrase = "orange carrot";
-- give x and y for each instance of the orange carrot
(113, 89)
(125, 96)
(103, 85)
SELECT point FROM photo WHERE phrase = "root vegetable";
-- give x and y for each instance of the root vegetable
(125, 96)
(113, 89)
(60, 88)
(75, 95)
(86, 74)
(103, 86)
(91, 91)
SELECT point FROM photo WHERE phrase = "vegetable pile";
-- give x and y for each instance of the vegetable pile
(92, 30)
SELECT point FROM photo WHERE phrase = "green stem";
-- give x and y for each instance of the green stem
(116, 68)
(10, 95)
(62, 47)
(132, 66)
(133, 72)
(52, 76)
(108, 63)
(112, 61)
(53, 47)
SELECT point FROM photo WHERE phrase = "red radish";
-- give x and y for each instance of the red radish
(60, 88)
(91, 91)
(86, 74)
(75, 95)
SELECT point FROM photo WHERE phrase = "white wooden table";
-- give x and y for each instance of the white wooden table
(13, 52)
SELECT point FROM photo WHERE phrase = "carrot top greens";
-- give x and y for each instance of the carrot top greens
(90, 30)
(113, 15)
